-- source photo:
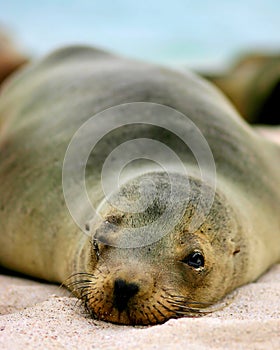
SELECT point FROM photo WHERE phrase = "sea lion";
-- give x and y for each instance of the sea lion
(11, 59)
(169, 241)
(253, 85)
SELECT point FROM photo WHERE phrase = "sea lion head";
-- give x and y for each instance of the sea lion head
(170, 271)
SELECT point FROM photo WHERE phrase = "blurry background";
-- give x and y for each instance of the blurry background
(197, 33)
(234, 43)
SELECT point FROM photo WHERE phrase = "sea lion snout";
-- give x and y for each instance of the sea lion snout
(128, 280)
(118, 294)
(123, 292)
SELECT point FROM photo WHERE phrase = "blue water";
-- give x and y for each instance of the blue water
(193, 32)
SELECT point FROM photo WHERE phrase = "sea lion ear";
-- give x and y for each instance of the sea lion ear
(76, 53)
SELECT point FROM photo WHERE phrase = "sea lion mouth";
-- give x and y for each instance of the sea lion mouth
(123, 305)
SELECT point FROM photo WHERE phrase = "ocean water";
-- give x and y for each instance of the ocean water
(195, 33)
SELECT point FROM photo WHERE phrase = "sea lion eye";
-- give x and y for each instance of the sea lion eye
(195, 259)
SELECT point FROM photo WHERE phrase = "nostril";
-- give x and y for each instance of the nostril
(123, 292)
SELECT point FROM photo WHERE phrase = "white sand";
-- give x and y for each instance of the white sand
(43, 316)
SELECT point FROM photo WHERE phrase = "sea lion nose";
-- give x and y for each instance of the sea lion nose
(123, 292)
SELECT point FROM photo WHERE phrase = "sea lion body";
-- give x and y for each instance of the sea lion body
(40, 111)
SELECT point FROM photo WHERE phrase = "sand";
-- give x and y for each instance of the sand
(36, 315)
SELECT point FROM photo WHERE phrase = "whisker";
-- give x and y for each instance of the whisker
(190, 313)
(72, 284)
(152, 313)
(147, 317)
(77, 277)
(161, 314)
(77, 289)
(189, 302)
(79, 274)
(165, 307)
(85, 294)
